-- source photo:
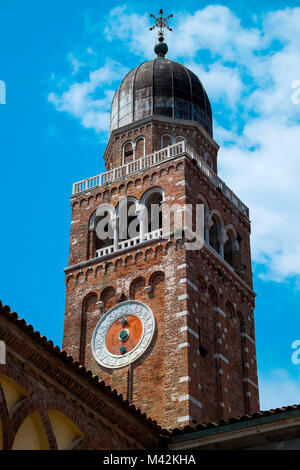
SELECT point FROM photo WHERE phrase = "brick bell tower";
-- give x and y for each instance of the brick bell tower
(171, 329)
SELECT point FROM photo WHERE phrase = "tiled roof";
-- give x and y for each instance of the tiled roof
(237, 419)
(76, 366)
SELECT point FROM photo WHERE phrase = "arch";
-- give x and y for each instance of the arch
(128, 225)
(65, 430)
(137, 288)
(214, 232)
(151, 203)
(89, 302)
(207, 216)
(127, 152)
(155, 280)
(180, 138)
(102, 224)
(166, 140)
(140, 147)
(208, 160)
(88, 305)
(231, 247)
(31, 435)
(108, 297)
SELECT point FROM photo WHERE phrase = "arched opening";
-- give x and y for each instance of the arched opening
(154, 210)
(108, 297)
(107, 239)
(137, 289)
(231, 249)
(140, 147)
(208, 160)
(180, 138)
(31, 435)
(127, 153)
(214, 234)
(166, 140)
(89, 305)
(156, 282)
(67, 433)
(128, 222)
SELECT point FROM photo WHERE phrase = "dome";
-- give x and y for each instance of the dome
(160, 87)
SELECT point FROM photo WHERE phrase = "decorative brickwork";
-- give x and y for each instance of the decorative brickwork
(46, 383)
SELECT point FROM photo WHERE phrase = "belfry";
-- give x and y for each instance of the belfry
(170, 328)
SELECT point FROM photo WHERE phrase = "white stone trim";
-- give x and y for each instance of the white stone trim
(220, 356)
(190, 283)
(183, 313)
(190, 398)
(181, 419)
(220, 311)
(181, 266)
(183, 297)
(184, 345)
(245, 379)
(187, 328)
(248, 337)
(185, 379)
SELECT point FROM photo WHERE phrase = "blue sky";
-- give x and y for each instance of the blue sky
(62, 62)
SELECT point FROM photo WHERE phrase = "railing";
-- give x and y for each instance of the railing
(154, 159)
(125, 244)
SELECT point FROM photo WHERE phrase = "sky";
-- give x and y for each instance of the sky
(61, 63)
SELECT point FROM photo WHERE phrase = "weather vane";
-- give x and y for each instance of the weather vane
(161, 23)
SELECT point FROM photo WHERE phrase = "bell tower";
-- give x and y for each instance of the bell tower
(170, 328)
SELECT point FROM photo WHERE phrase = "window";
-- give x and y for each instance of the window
(127, 153)
(231, 248)
(214, 234)
(140, 147)
(154, 211)
(166, 140)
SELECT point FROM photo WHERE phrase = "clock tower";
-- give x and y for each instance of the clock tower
(169, 325)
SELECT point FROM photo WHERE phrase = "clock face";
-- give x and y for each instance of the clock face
(123, 334)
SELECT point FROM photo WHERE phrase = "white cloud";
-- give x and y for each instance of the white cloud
(222, 84)
(81, 101)
(132, 28)
(278, 389)
(75, 63)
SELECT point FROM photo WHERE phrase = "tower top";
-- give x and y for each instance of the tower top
(161, 23)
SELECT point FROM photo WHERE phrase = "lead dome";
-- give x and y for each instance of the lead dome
(160, 87)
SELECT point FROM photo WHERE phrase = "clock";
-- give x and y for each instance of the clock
(123, 334)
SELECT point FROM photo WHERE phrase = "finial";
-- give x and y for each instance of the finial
(161, 47)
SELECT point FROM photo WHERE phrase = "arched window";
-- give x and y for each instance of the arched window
(101, 230)
(103, 237)
(127, 153)
(108, 297)
(166, 140)
(180, 138)
(137, 288)
(231, 249)
(156, 283)
(140, 147)
(89, 305)
(214, 234)
(128, 223)
(208, 160)
(153, 204)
